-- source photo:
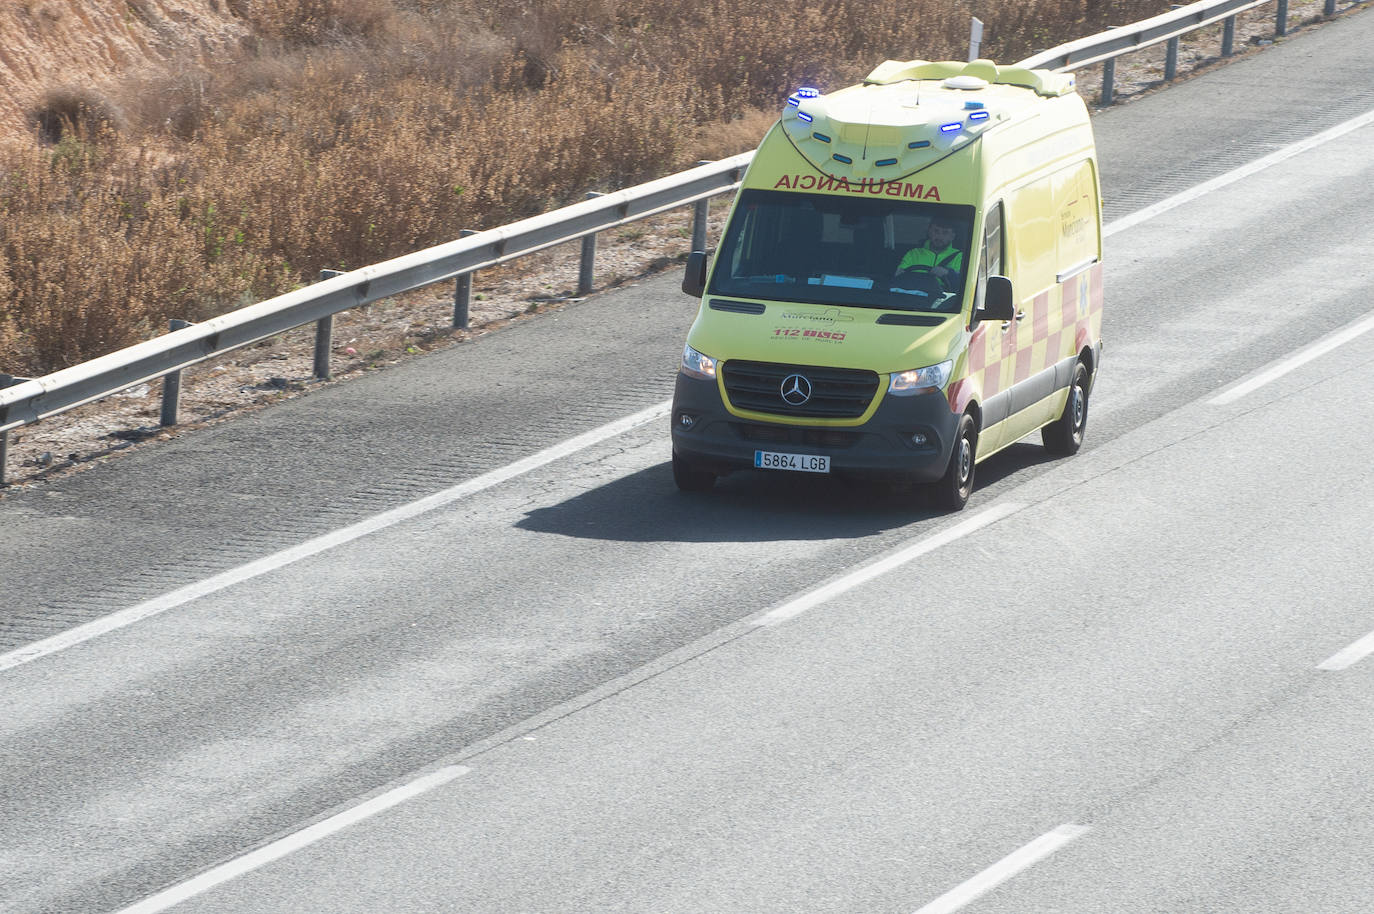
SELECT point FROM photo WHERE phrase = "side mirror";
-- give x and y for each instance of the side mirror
(694, 280)
(998, 302)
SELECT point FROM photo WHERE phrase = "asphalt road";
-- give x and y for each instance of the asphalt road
(1132, 648)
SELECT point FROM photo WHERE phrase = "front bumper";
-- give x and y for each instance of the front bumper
(881, 447)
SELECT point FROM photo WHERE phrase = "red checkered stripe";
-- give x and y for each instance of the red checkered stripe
(1088, 328)
(1064, 320)
(1031, 356)
(982, 370)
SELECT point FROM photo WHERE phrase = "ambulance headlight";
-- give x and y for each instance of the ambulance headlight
(696, 365)
(920, 380)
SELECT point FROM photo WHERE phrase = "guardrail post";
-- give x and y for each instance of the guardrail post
(585, 269)
(1171, 53)
(324, 336)
(701, 212)
(462, 291)
(1228, 37)
(1108, 80)
(171, 382)
(1281, 19)
(6, 380)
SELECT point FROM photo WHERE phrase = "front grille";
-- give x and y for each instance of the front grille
(836, 393)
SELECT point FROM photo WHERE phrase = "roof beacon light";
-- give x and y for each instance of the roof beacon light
(969, 106)
(952, 128)
(808, 92)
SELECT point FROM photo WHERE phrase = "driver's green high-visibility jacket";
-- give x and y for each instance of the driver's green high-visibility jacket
(951, 258)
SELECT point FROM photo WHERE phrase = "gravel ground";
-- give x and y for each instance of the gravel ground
(381, 334)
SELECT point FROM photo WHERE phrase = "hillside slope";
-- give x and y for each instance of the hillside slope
(48, 45)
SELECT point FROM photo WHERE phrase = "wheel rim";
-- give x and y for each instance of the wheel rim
(1080, 411)
(965, 461)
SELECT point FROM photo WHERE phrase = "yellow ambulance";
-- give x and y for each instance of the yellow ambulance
(910, 280)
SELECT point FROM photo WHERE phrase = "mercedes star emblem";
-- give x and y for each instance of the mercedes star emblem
(796, 390)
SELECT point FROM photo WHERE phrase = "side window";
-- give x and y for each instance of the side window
(992, 242)
(990, 259)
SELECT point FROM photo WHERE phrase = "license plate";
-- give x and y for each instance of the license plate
(804, 463)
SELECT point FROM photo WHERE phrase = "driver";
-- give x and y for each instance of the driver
(936, 255)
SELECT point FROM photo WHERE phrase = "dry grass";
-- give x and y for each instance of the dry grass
(357, 130)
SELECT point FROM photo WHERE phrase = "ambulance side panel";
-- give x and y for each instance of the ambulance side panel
(1052, 238)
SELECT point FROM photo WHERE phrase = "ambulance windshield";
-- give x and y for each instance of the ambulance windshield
(870, 251)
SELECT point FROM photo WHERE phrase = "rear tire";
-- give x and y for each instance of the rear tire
(954, 488)
(1064, 435)
(690, 478)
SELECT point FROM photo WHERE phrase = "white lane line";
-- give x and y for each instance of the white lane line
(1296, 360)
(329, 540)
(1351, 655)
(1004, 869)
(1244, 171)
(801, 604)
(278, 849)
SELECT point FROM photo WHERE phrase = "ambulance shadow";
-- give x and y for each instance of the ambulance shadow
(1014, 460)
(743, 507)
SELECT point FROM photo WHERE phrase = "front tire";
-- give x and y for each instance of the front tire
(1064, 436)
(954, 488)
(689, 478)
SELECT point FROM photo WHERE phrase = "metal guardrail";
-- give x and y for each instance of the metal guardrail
(1168, 27)
(29, 400)
(38, 398)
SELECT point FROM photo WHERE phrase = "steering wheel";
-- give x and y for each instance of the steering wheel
(920, 277)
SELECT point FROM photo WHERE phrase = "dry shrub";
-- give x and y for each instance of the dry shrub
(727, 138)
(78, 111)
(237, 182)
(9, 326)
(95, 258)
(297, 23)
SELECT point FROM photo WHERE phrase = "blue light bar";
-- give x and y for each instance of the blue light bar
(793, 100)
(804, 116)
(919, 144)
(978, 116)
(952, 128)
(969, 106)
(845, 159)
(822, 137)
(882, 162)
